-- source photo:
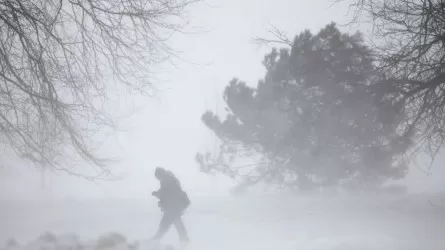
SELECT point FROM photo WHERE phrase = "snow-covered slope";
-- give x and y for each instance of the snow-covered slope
(254, 223)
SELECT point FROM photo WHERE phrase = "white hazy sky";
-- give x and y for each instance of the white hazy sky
(168, 132)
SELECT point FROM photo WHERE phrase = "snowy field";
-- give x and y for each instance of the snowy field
(254, 223)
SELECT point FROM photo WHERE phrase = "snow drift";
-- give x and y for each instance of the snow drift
(273, 222)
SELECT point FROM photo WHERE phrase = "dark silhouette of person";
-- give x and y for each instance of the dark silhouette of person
(173, 201)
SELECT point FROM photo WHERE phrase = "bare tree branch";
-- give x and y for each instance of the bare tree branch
(412, 58)
(57, 59)
(279, 37)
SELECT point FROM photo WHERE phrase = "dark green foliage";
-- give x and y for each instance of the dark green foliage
(311, 121)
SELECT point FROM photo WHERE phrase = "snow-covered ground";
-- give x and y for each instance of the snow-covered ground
(253, 223)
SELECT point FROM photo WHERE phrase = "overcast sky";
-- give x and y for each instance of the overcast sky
(168, 132)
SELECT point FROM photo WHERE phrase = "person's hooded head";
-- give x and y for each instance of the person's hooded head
(160, 173)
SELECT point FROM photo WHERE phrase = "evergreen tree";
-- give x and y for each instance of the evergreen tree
(311, 121)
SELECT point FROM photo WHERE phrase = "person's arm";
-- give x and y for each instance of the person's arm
(163, 190)
(155, 193)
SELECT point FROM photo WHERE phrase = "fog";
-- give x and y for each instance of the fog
(254, 222)
(167, 131)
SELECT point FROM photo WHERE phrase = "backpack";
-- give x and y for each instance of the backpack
(183, 200)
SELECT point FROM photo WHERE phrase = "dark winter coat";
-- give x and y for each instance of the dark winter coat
(171, 196)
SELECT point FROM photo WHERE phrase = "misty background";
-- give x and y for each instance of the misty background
(166, 130)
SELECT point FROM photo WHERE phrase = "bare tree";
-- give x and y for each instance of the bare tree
(411, 50)
(57, 58)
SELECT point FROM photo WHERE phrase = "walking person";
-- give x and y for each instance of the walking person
(173, 201)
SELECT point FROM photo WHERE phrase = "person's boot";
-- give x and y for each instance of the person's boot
(184, 242)
(154, 242)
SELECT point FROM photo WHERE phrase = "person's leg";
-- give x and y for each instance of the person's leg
(180, 227)
(166, 221)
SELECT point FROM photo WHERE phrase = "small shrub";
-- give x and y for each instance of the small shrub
(110, 240)
(48, 237)
(11, 243)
